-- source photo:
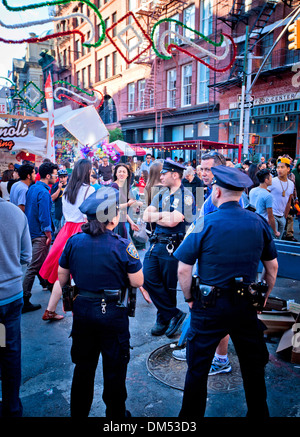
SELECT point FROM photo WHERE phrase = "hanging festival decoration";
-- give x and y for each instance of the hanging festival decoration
(31, 95)
(87, 43)
(63, 91)
(143, 43)
(163, 47)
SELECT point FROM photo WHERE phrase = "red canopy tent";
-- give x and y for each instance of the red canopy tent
(192, 145)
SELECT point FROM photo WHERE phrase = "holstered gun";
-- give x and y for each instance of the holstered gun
(128, 300)
(69, 292)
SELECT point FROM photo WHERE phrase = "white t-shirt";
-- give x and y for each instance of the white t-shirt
(71, 212)
(5, 193)
(280, 201)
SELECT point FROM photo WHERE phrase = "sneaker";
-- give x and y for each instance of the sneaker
(179, 354)
(51, 315)
(218, 366)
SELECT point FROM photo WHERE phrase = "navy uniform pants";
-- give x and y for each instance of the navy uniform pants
(160, 280)
(234, 316)
(95, 332)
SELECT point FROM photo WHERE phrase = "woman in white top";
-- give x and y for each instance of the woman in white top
(77, 190)
(7, 176)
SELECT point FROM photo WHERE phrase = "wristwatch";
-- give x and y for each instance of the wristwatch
(189, 299)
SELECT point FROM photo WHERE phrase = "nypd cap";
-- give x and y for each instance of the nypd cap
(102, 203)
(172, 166)
(230, 178)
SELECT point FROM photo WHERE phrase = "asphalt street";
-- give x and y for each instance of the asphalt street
(47, 369)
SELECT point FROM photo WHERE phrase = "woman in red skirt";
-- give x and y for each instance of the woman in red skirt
(77, 190)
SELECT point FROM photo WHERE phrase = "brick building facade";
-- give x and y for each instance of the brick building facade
(177, 99)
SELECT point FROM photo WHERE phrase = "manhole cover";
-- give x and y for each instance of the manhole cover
(172, 372)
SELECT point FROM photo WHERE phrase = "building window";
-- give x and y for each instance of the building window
(84, 78)
(78, 81)
(186, 89)
(206, 17)
(151, 98)
(188, 131)
(133, 44)
(108, 112)
(77, 53)
(89, 76)
(107, 67)
(114, 20)
(189, 20)
(115, 63)
(141, 95)
(265, 45)
(131, 96)
(100, 70)
(174, 27)
(203, 82)
(107, 25)
(171, 89)
(132, 5)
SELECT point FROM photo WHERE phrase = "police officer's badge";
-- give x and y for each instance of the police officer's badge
(132, 251)
(175, 203)
(188, 200)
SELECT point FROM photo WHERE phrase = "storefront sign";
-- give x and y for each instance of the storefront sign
(3, 106)
(269, 99)
(8, 133)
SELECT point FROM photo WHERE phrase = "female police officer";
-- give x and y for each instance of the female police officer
(100, 262)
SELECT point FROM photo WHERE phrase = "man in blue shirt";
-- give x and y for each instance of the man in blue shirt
(228, 245)
(38, 212)
(146, 164)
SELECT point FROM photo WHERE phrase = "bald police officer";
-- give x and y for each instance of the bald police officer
(228, 245)
(172, 209)
(101, 264)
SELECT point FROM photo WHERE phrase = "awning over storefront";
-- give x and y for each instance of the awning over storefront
(126, 149)
(192, 145)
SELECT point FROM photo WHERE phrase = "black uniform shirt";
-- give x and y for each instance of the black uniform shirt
(101, 262)
(227, 243)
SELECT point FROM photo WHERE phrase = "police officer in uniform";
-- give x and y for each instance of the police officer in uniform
(101, 263)
(228, 245)
(172, 209)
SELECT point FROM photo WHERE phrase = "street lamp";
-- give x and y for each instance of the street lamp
(286, 117)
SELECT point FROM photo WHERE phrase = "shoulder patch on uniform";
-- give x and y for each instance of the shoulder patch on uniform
(132, 251)
(188, 200)
(190, 230)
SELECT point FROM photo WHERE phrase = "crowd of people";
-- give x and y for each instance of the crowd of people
(53, 209)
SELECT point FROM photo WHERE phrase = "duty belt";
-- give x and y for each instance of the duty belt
(172, 241)
(108, 295)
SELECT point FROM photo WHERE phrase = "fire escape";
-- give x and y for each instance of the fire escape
(148, 14)
(257, 18)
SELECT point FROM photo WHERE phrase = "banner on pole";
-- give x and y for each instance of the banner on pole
(50, 109)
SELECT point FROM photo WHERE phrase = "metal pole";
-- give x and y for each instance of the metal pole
(243, 88)
(247, 109)
(294, 16)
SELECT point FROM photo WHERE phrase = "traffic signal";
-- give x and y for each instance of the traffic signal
(294, 36)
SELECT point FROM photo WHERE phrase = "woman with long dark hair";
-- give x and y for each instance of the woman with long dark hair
(77, 190)
(121, 178)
